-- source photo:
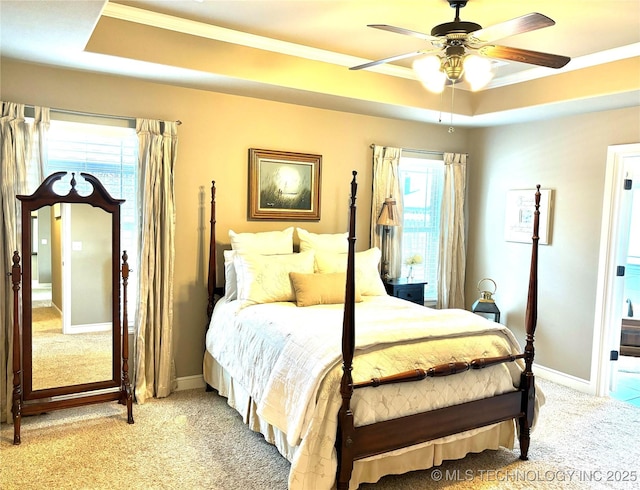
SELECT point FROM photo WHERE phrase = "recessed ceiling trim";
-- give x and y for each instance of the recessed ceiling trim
(208, 31)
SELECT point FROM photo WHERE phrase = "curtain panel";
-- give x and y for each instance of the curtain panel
(386, 183)
(22, 153)
(154, 368)
(452, 260)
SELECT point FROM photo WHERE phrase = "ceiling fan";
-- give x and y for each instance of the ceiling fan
(455, 41)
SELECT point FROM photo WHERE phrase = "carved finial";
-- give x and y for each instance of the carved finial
(73, 191)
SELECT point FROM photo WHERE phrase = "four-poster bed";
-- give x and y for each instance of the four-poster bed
(430, 385)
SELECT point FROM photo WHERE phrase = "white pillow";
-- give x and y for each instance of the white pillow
(265, 242)
(333, 243)
(367, 274)
(230, 280)
(265, 278)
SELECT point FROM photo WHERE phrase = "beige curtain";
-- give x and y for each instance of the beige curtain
(22, 154)
(451, 270)
(154, 368)
(386, 183)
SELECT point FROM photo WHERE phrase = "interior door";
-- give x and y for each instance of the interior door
(630, 337)
(624, 219)
(623, 161)
(625, 284)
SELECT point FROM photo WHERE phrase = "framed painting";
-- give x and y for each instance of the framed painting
(284, 185)
(519, 215)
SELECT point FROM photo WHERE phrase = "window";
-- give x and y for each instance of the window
(110, 153)
(421, 182)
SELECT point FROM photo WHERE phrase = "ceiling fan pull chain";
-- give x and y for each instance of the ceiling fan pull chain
(453, 89)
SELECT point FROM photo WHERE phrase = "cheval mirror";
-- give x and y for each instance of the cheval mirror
(73, 347)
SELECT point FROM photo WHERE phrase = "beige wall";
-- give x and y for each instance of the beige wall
(90, 266)
(567, 155)
(214, 139)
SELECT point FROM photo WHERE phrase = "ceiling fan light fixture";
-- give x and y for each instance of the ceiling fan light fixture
(428, 71)
(453, 67)
(454, 40)
(477, 71)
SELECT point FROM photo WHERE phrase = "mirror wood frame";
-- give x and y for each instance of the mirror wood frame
(26, 400)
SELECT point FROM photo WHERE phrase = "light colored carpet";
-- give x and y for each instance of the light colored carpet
(60, 359)
(193, 440)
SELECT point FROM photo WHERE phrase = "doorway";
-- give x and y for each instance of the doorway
(615, 368)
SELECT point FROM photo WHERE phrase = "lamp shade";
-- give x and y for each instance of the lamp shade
(388, 213)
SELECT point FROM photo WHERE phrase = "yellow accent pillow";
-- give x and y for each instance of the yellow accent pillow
(320, 289)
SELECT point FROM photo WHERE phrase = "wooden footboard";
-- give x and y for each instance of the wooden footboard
(353, 443)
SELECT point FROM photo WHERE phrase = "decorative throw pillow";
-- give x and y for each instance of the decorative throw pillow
(265, 278)
(264, 243)
(325, 242)
(320, 289)
(367, 275)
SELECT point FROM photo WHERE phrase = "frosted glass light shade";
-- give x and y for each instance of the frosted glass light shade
(429, 73)
(477, 71)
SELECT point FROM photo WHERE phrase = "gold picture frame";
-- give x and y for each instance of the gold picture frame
(284, 185)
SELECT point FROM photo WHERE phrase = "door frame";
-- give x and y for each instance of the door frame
(608, 313)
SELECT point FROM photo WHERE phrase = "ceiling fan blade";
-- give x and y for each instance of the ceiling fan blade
(526, 23)
(387, 60)
(402, 30)
(524, 56)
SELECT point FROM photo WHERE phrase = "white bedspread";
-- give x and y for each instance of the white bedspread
(288, 359)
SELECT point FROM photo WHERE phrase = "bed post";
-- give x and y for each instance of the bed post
(344, 439)
(211, 281)
(527, 381)
(16, 406)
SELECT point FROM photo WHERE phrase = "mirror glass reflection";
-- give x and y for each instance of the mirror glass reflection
(71, 264)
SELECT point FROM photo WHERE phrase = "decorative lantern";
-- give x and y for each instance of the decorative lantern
(485, 306)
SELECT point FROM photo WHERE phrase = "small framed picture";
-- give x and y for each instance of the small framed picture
(284, 185)
(519, 215)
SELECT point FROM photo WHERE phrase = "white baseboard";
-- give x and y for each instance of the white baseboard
(191, 382)
(89, 328)
(563, 379)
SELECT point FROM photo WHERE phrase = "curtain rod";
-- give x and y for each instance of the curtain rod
(91, 114)
(425, 152)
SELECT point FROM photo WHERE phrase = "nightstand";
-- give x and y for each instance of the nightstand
(405, 289)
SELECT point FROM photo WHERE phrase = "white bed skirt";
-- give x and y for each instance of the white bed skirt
(369, 470)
